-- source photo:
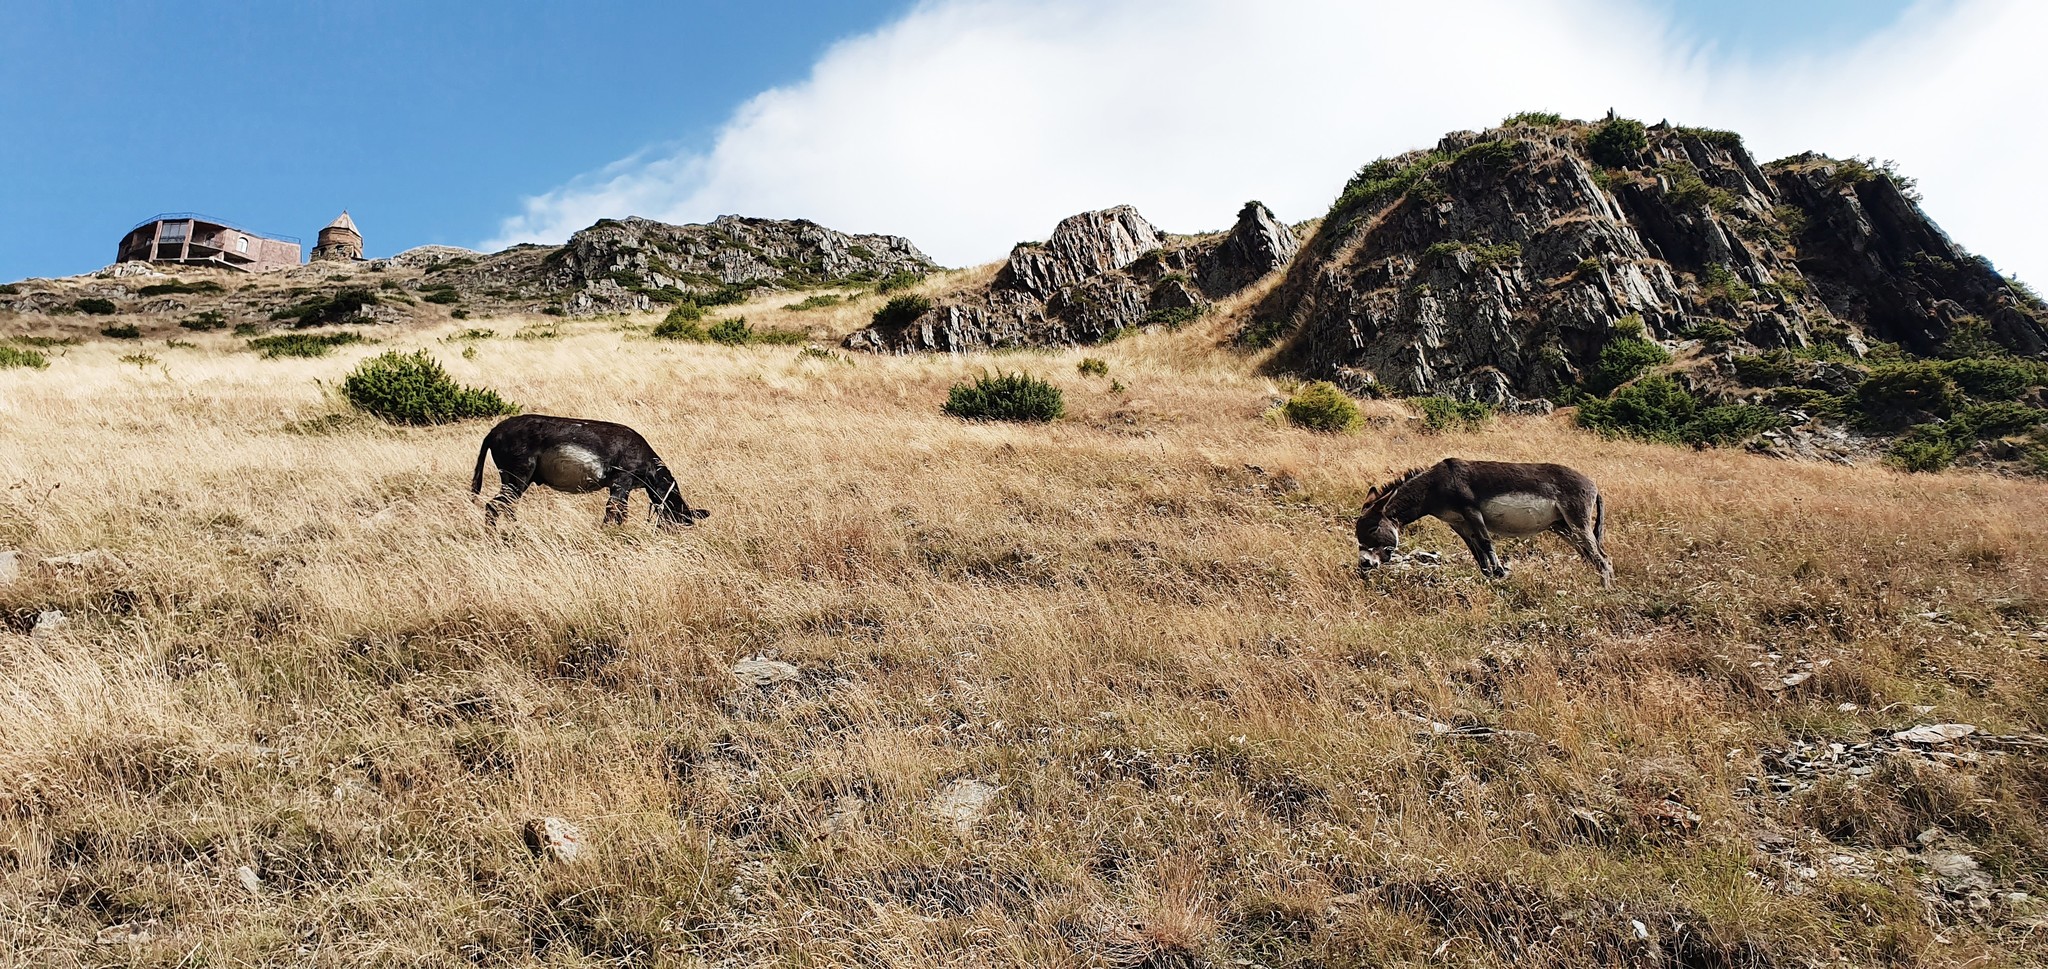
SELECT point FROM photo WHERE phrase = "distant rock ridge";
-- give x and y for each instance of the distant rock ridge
(622, 265)
(615, 266)
(1497, 265)
(1098, 274)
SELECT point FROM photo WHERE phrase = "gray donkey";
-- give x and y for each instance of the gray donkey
(1481, 499)
(579, 457)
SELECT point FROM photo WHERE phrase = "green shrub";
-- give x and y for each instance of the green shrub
(1485, 255)
(95, 306)
(1713, 332)
(1321, 406)
(1719, 283)
(1816, 403)
(901, 311)
(1654, 408)
(1383, 181)
(1727, 424)
(322, 310)
(180, 286)
(1772, 368)
(460, 314)
(302, 344)
(1617, 142)
(1534, 119)
(1173, 318)
(1006, 397)
(1996, 420)
(1893, 393)
(820, 301)
(443, 295)
(1925, 448)
(10, 289)
(411, 388)
(206, 320)
(18, 357)
(473, 333)
(1713, 136)
(731, 332)
(1623, 359)
(900, 279)
(1263, 332)
(1496, 155)
(126, 331)
(1995, 378)
(140, 359)
(1093, 367)
(1440, 414)
(681, 323)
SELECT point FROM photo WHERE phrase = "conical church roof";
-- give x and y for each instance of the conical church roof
(342, 221)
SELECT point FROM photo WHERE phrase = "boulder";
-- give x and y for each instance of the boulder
(553, 839)
(763, 672)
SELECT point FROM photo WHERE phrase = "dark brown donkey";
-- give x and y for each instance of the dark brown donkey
(1482, 499)
(579, 457)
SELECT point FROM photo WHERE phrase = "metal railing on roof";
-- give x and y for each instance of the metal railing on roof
(203, 217)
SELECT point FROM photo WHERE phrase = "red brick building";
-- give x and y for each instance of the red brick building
(196, 240)
(339, 242)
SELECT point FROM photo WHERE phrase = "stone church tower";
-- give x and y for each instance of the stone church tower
(339, 242)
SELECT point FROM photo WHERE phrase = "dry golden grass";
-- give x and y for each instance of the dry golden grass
(308, 657)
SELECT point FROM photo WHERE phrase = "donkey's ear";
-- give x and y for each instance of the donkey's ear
(699, 514)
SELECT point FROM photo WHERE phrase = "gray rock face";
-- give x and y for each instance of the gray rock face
(1495, 266)
(1098, 274)
(631, 264)
(1258, 244)
(1082, 247)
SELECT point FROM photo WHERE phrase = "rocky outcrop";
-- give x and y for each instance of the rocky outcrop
(1497, 265)
(1100, 273)
(1258, 244)
(621, 265)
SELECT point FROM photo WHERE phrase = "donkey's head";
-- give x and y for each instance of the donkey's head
(669, 507)
(1378, 533)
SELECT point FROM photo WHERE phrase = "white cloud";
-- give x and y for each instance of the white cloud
(967, 125)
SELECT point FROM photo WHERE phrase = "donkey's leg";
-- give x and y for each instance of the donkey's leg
(1580, 531)
(1472, 528)
(615, 503)
(512, 484)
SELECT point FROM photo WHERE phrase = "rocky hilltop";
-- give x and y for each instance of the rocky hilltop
(621, 265)
(1100, 273)
(1499, 265)
(614, 266)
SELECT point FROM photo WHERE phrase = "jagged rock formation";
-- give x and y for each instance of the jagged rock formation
(1496, 266)
(1099, 274)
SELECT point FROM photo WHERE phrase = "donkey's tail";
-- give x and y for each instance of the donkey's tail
(476, 481)
(1599, 514)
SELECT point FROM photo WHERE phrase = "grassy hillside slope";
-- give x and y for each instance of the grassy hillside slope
(1209, 741)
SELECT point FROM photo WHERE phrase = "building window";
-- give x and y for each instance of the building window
(241, 243)
(174, 232)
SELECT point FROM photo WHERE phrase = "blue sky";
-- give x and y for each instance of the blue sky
(427, 120)
(440, 122)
